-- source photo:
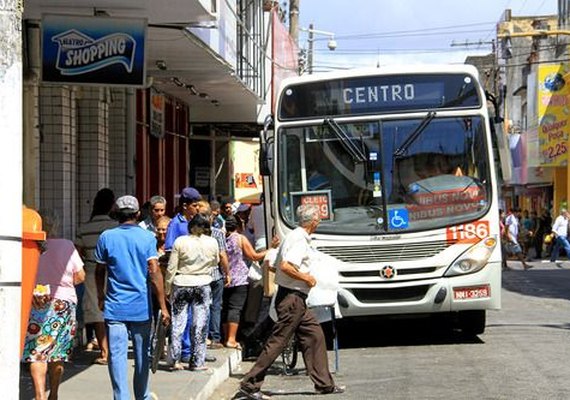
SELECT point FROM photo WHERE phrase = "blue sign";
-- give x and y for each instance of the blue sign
(398, 218)
(93, 50)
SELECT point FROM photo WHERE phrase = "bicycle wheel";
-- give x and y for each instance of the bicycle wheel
(290, 354)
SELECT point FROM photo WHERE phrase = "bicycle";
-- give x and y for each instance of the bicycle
(290, 355)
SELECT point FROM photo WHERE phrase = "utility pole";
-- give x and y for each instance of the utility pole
(11, 187)
(294, 20)
(310, 41)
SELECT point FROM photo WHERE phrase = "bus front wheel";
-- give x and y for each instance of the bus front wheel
(472, 322)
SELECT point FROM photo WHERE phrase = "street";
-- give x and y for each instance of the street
(523, 353)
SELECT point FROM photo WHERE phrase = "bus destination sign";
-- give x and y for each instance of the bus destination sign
(378, 94)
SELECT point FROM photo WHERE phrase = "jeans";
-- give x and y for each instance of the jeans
(561, 241)
(216, 310)
(118, 335)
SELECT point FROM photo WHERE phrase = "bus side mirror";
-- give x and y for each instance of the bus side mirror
(266, 159)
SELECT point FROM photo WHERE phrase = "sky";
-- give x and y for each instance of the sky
(387, 32)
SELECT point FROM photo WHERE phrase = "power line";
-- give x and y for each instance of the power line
(410, 31)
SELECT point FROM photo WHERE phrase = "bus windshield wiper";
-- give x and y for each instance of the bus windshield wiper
(346, 141)
(412, 137)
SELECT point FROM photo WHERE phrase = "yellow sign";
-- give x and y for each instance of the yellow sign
(553, 114)
(247, 184)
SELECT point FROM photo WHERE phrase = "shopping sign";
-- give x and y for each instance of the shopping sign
(93, 50)
(320, 198)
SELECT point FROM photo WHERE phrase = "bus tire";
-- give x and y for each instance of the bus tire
(472, 322)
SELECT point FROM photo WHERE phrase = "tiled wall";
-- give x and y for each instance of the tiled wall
(118, 141)
(58, 152)
(93, 144)
(82, 148)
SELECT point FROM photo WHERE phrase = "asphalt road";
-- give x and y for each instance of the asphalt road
(523, 354)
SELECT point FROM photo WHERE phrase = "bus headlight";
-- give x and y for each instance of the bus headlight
(473, 259)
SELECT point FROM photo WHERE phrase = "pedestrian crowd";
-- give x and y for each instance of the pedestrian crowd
(202, 269)
(528, 236)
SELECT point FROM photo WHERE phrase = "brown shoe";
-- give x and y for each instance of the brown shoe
(215, 345)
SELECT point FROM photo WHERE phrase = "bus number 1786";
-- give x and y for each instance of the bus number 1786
(468, 233)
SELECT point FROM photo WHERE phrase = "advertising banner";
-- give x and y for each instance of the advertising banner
(553, 114)
(156, 113)
(285, 55)
(247, 183)
(93, 50)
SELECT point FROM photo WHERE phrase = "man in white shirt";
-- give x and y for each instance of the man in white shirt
(560, 231)
(512, 231)
(294, 318)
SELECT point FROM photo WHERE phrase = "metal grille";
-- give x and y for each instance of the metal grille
(386, 252)
(413, 293)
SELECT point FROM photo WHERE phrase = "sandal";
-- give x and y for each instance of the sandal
(100, 361)
(92, 346)
(236, 346)
(176, 367)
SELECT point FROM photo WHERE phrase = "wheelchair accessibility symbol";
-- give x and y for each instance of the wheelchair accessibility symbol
(398, 218)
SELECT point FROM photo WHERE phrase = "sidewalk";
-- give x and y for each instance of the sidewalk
(85, 381)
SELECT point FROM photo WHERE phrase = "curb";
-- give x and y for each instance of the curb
(220, 374)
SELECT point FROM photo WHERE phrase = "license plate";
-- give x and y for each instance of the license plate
(466, 293)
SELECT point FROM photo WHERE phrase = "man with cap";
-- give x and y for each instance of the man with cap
(127, 255)
(188, 204)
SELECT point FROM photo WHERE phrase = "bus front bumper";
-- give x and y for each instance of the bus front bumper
(478, 291)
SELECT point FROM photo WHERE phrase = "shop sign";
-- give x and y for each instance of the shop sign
(553, 103)
(93, 50)
(156, 113)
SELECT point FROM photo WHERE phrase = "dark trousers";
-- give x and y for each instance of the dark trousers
(293, 318)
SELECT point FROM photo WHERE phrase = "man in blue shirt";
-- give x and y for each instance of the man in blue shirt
(188, 204)
(128, 255)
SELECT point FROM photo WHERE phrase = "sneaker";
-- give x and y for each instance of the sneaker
(254, 395)
(333, 390)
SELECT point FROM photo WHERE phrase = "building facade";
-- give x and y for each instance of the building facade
(208, 72)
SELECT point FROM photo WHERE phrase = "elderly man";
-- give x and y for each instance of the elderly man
(157, 210)
(294, 318)
(127, 255)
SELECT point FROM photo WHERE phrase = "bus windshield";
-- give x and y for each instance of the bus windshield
(386, 176)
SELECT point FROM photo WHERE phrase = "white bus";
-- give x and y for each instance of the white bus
(400, 162)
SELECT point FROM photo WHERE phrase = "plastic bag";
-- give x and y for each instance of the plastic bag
(325, 270)
(254, 273)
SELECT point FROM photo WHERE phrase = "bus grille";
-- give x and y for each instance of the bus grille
(412, 293)
(386, 252)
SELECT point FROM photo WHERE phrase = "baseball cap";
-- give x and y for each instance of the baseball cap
(127, 203)
(190, 194)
